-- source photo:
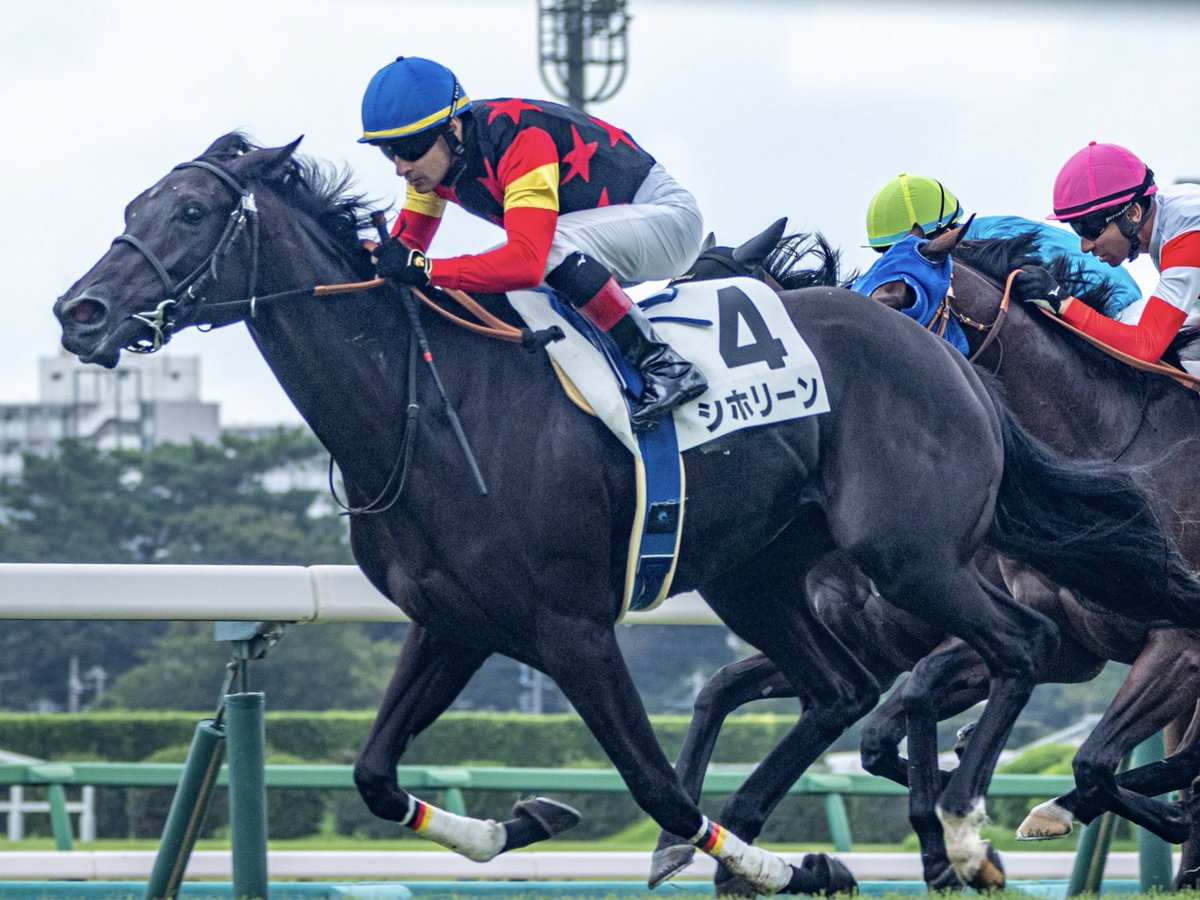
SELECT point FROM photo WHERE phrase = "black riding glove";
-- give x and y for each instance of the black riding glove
(400, 263)
(1035, 285)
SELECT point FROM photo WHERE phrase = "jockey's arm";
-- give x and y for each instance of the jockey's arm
(1147, 340)
(1165, 311)
(419, 219)
(527, 175)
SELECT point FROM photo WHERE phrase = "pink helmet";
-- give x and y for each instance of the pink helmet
(1097, 177)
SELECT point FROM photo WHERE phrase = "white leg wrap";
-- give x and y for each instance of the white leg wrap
(767, 872)
(475, 839)
(1045, 821)
(966, 849)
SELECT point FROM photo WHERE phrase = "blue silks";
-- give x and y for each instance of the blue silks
(1053, 240)
(929, 282)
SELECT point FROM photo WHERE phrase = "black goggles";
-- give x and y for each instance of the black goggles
(1091, 226)
(411, 148)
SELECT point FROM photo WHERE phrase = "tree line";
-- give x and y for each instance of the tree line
(214, 504)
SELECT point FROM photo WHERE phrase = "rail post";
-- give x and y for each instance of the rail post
(190, 805)
(1154, 854)
(246, 736)
(839, 822)
(238, 727)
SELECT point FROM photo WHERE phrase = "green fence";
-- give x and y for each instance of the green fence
(453, 781)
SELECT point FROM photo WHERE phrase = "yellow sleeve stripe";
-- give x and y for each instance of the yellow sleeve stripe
(427, 204)
(537, 188)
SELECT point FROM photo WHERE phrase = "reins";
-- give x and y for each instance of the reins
(990, 332)
(184, 304)
(1179, 375)
(946, 310)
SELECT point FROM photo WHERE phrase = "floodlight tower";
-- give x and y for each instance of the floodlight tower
(576, 34)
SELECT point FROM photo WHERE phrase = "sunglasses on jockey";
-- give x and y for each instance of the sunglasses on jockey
(411, 148)
(1091, 226)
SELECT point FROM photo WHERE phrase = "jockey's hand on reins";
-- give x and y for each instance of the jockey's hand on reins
(402, 264)
(1034, 284)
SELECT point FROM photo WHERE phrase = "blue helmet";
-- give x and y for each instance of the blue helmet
(409, 96)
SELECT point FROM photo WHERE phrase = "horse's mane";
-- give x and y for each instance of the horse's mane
(318, 189)
(789, 263)
(996, 257)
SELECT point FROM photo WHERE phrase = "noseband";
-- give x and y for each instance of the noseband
(186, 296)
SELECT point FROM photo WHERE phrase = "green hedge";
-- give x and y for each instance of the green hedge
(510, 739)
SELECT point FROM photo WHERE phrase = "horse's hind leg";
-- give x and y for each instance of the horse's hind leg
(592, 674)
(732, 686)
(430, 673)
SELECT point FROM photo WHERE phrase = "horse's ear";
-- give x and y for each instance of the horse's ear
(709, 242)
(268, 162)
(916, 231)
(937, 249)
(754, 251)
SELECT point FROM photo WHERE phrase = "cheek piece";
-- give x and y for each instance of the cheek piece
(1129, 230)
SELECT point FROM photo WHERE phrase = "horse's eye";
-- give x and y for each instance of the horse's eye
(193, 213)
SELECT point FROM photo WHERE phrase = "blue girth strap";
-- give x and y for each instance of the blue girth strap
(663, 469)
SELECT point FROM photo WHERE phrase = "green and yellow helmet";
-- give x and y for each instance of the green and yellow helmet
(907, 200)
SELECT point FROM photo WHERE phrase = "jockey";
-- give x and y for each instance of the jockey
(583, 207)
(1109, 198)
(909, 200)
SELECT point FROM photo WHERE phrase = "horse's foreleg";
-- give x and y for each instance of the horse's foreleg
(734, 685)
(430, 673)
(1054, 818)
(1162, 685)
(1013, 642)
(772, 613)
(593, 676)
(943, 684)
(961, 806)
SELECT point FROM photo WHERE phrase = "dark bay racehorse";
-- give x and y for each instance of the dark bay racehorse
(534, 568)
(1163, 685)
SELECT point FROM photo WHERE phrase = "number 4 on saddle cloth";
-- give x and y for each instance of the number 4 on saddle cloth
(759, 371)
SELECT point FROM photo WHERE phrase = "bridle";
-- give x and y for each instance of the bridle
(185, 301)
(990, 332)
(184, 298)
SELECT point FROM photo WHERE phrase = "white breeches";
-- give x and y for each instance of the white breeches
(656, 236)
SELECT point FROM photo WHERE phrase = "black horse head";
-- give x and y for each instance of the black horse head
(183, 249)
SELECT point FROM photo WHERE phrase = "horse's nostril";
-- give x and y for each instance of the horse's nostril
(87, 311)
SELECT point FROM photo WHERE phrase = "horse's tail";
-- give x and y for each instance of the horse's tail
(1090, 526)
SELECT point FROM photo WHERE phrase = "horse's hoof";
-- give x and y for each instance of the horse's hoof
(944, 879)
(1045, 822)
(668, 862)
(1186, 880)
(831, 875)
(550, 815)
(990, 875)
(667, 840)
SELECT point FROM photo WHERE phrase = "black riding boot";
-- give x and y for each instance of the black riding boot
(668, 380)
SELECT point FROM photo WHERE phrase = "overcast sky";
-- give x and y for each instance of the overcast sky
(762, 109)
